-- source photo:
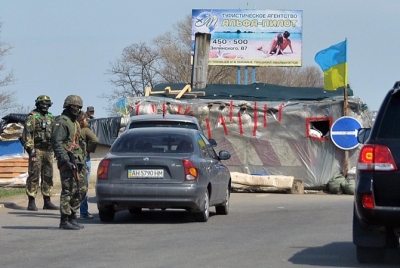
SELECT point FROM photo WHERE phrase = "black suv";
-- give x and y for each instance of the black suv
(376, 217)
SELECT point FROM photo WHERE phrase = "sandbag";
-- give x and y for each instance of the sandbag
(334, 184)
(348, 186)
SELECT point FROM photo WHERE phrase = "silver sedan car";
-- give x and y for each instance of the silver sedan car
(163, 168)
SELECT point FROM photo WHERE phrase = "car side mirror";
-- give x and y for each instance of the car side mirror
(224, 155)
(363, 135)
(212, 142)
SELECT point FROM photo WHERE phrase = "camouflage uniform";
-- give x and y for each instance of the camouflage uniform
(67, 138)
(37, 132)
(36, 139)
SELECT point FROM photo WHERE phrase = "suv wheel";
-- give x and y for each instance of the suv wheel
(392, 241)
(370, 255)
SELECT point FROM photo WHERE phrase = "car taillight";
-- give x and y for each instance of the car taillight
(102, 170)
(191, 173)
(376, 157)
(368, 201)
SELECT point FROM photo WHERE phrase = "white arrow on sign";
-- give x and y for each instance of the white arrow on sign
(354, 132)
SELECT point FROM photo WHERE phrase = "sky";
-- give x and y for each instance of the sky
(66, 47)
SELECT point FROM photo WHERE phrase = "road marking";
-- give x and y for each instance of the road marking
(262, 195)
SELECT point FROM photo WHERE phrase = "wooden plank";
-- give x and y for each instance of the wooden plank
(14, 160)
(9, 175)
(14, 164)
(13, 169)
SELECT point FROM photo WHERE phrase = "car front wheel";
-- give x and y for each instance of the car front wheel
(204, 214)
(223, 209)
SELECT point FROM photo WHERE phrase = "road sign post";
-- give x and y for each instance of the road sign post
(344, 135)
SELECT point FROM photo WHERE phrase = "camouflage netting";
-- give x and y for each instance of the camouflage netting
(270, 137)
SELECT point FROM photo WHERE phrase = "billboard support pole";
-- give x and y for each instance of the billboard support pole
(246, 75)
(200, 63)
(239, 76)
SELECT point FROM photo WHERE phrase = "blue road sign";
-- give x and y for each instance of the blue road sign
(344, 132)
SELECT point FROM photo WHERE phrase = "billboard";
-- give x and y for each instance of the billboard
(246, 37)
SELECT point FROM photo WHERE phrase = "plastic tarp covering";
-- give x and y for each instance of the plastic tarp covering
(266, 136)
(260, 91)
(105, 129)
(12, 118)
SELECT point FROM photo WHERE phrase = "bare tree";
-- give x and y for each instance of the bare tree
(167, 60)
(291, 76)
(7, 98)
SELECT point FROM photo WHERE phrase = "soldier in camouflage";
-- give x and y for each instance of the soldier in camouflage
(69, 150)
(36, 139)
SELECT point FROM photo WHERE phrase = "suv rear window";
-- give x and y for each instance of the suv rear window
(163, 123)
(389, 127)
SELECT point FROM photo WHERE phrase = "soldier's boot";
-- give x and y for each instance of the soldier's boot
(66, 225)
(32, 204)
(48, 204)
(71, 220)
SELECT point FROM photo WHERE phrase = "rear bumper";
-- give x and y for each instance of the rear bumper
(379, 216)
(125, 196)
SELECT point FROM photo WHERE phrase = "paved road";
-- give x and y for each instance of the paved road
(261, 230)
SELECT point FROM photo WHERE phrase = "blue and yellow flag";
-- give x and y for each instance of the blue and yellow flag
(333, 62)
(121, 106)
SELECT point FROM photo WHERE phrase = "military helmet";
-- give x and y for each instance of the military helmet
(73, 100)
(43, 99)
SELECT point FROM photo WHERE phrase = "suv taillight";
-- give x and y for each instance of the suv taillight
(376, 157)
(102, 170)
(368, 201)
(191, 173)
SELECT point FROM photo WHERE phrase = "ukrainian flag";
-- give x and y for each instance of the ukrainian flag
(121, 106)
(333, 62)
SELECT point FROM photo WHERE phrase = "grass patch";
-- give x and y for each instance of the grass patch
(7, 192)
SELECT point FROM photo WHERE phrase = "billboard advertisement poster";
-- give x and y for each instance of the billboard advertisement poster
(247, 37)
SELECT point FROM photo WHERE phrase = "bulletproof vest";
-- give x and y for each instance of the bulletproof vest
(42, 129)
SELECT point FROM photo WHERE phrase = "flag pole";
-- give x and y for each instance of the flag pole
(345, 113)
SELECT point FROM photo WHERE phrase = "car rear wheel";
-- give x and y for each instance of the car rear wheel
(135, 210)
(370, 255)
(392, 241)
(223, 209)
(204, 214)
(106, 215)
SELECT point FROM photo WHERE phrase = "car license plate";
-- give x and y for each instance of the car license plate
(145, 173)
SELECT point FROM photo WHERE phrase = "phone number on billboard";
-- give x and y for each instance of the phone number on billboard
(234, 41)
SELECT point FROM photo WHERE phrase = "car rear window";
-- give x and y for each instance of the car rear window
(389, 127)
(153, 143)
(163, 124)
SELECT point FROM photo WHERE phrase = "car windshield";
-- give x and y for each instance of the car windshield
(162, 123)
(134, 142)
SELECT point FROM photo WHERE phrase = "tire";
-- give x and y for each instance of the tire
(392, 241)
(135, 210)
(106, 215)
(204, 214)
(223, 209)
(370, 255)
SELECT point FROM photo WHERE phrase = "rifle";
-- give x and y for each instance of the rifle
(75, 172)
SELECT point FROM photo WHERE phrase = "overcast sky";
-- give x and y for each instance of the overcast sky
(66, 47)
